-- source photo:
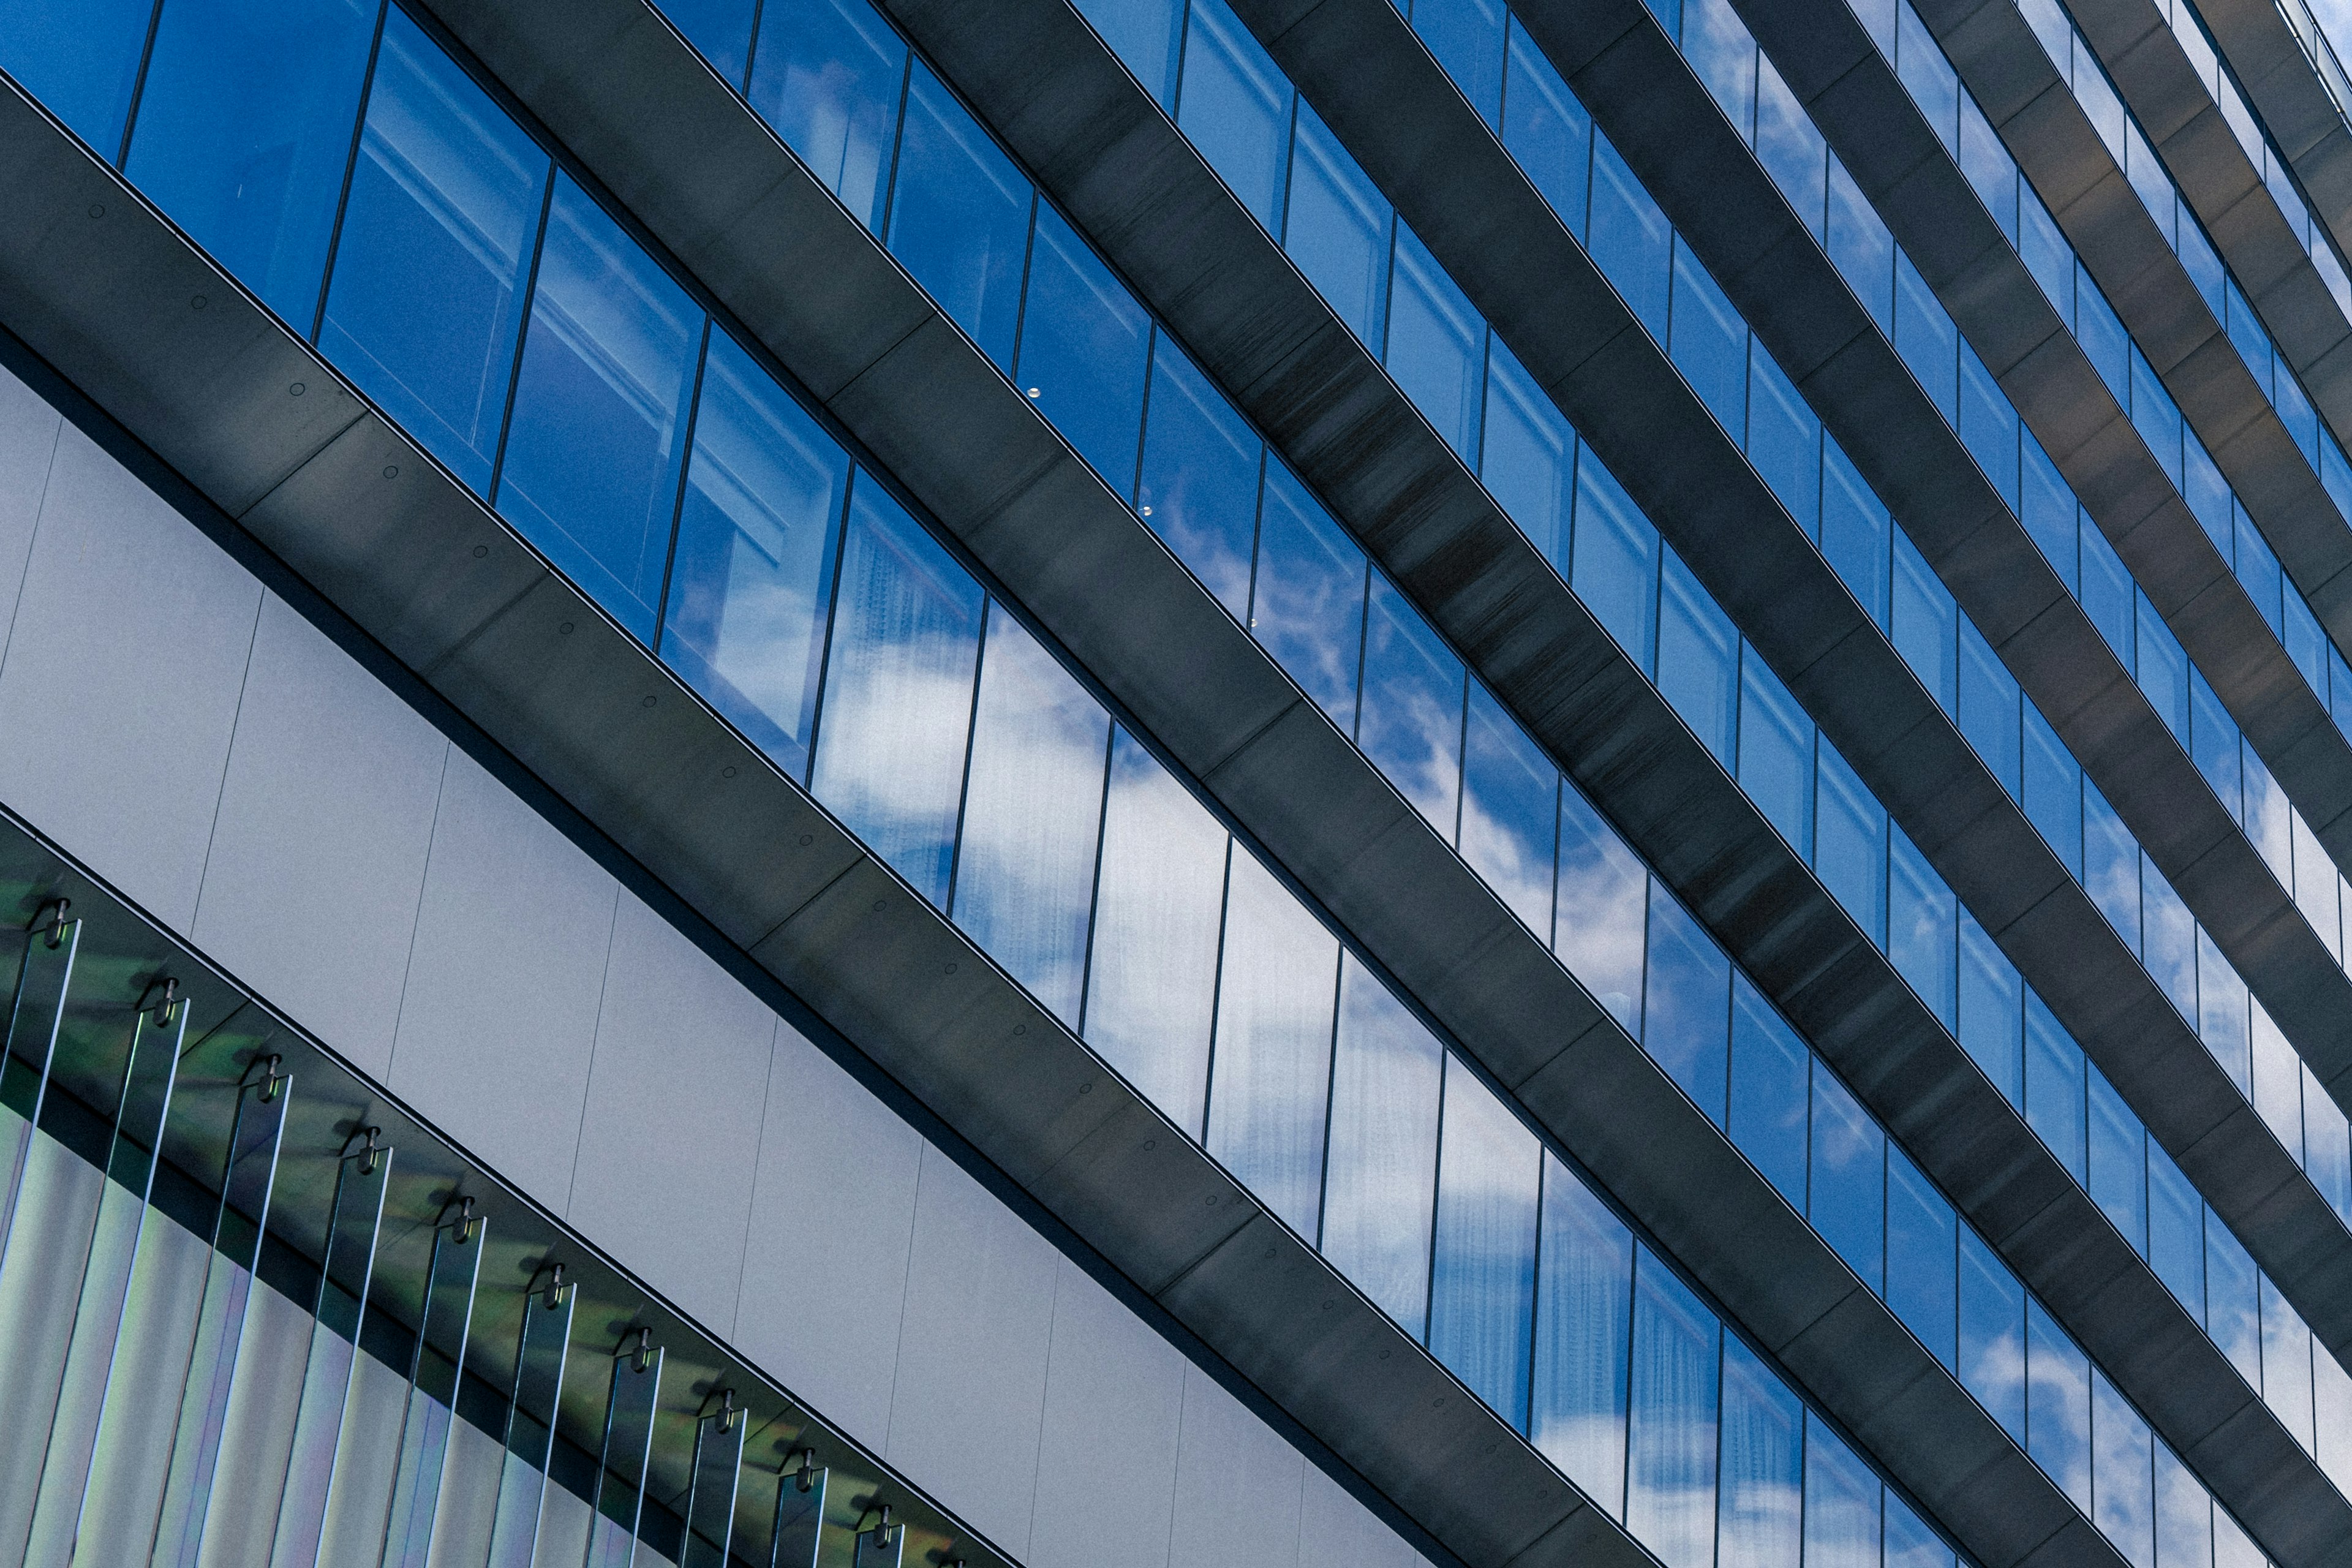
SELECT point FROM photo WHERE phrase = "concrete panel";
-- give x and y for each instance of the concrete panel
(1238, 1487)
(670, 1134)
(970, 1395)
(28, 443)
(824, 1275)
(1107, 1457)
(317, 858)
(498, 1018)
(119, 688)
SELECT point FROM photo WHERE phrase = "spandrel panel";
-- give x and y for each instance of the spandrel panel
(1382, 1177)
(244, 127)
(444, 206)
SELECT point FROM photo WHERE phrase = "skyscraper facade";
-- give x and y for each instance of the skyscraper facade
(1175, 783)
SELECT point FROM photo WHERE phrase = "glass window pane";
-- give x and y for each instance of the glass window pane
(590, 473)
(1784, 439)
(898, 690)
(1583, 1321)
(827, 74)
(1436, 345)
(2122, 1482)
(1849, 843)
(1199, 488)
(1842, 1525)
(1527, 456)
(1025, 863)
(2111, 865)
(2106, 594)
(2184, 1515)
(1860, 246)
(719, 29)
(1909, 1543)
(1776, 753)
(1509, 814)
(2054, 790)
(1615, 568)
(1761, 1510)
(2287, 1364)
(1848, 1195)
(1271, 1072)
(244, 130)
(1988, 424)
(1630, 240)
(2053, 1087)
(1921, 934)
(1671, 1451)
(1546, 129)
(1698, 657)
(959, 217)
(2118, 1178)
(1338, 229)
(1597, 919)
(80, 58)
(1708, 342)
(2058, 1405)
(1989, 710)
(1922, 1232)
(1085, 347)
(2047, 509)
(1234, 104)
(2232, 1300)
(1769, 1095)
(1993, 1334)
(2224, 1014)
(1687, 1012)
(1467, 36)
(1151, 985)
(752, 579)
(1722, 56)
(1379, 1193)
(444, 202)
(1483, 1280)
(1144, 34)
(1308, 605)
(2176, 1232)
(1409, 723)
(1923, 622)
(1854, 532)
(1992, 1011)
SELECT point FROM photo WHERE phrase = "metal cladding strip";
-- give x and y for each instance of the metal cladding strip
(1662, 119)
(2284, 87)
(2187, 1100)
(100, 285)
(979, 456)
(2146, 60)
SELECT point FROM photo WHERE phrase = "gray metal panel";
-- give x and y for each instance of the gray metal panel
(1106, 1451)
(512, 933)
(132, 612)
(1334, 1528)
(318, 850)
(28, 442)
(2283, 88)
(970, 1400)
(1237, 1486)
(676, 1094)
(824, 1278)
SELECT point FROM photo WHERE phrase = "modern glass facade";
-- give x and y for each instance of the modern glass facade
(389, 200)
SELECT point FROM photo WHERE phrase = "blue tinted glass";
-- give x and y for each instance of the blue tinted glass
(1849, 844)
(2287, 1364)
(1923, 622)
(1032, 802)
(1842, 1526)
(1722, 54)
(1784, 439)
(1922, 1232)
(2111, 865)
(1271, 1072)
(1234, 104)
(1084, 348)
(1483, 1276)
(1307, 605)
(1854, 532)
(2304, 642)
(1510, 813)
(2058, 1405)
(1925, 338)
(2102, 336)
(2156, 416)
(1144, 34)
(1583, 1323)
(80, 58)
(2053, 789)
(1910, 1543)
(2295, 410)
(1710, 344)
(1989, 168)
(245, 128)
(1927, 76)
(1630, 240)
(427, 297)
(1988, 708)
(2278, 1084)
(1671, 1448)
(2213, 743)
(590, 473)
(1378, 1192)
(959, 217)
(1848, 1201)
(2176, 1232)
(2163, 670)
(1338, 230)
(1548, 130)
(1527, 456)
(1467, 36)
(898, 690)
(2053, 1087)
(1769, 1093)
(1920, 929)
(1199, 488)
(2118, 1174)
(2047, 255)
(2047, 506)
(1992, 1011)
(2184, 1515)
(2222, 1015)
(1791, 150)
(2168, 939)
(720, 29)
(1409, 723)
(1686, 1014)
(1988, 424)
(827, 74)
(1760, 1502)
(1698, 658)
(753, 572)
(1598, 919)
(1436, 346)
(1615, 565)
(1993, 1334)
(2106, 594)
(1776, 753)
(1861, 247)
(2327, 1146)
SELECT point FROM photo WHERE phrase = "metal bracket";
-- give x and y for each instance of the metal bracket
(49, 920)
(165, 1006)
(271, 1080)
(370, 1153)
